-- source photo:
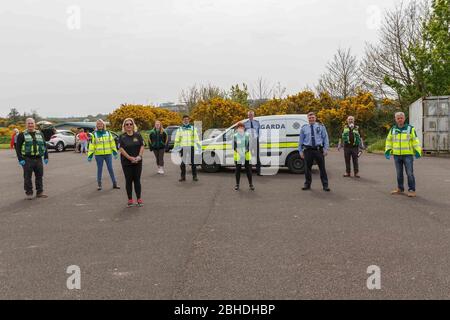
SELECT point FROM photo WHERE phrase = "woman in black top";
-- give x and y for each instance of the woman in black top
(131, 148)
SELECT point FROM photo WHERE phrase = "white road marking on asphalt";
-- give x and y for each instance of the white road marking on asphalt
(122, 274)
(35, 246)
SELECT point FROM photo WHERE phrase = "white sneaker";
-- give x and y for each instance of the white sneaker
(162, 170)
(159, 170)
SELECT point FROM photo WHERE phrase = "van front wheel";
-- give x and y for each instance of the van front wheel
(211, 165)
(295, 163)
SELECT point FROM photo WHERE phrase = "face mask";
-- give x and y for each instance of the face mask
(241, 131)
(351, 125)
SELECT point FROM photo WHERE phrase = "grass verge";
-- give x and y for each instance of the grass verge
(377, 146)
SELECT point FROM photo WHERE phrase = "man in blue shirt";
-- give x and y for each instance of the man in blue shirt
(252, 126)
(314, 146)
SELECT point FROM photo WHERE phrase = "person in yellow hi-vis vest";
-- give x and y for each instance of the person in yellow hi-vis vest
(103, 147)
(403, 143)
(242, 155)
(187, 142)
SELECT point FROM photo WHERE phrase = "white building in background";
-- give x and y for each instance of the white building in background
(431, 118)
(173, 107)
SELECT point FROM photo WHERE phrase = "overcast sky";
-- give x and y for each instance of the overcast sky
(146, 51)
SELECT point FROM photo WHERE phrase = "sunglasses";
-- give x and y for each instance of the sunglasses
(128, 124)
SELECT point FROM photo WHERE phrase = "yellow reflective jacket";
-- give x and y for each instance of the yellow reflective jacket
(403, 141)
(187, 136)
(102, 143)
(241, 145)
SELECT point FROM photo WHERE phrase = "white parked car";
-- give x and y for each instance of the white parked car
(62, 140)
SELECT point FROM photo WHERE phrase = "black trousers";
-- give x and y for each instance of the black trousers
(133, 176)
(33, 165)
(188, 156)
(312, 155)
(248, 169)
(254, 150)
(159, 155)
(351, 153)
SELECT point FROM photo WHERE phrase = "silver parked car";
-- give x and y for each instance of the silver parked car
(61, 140)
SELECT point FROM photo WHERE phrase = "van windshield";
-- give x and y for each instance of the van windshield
(229, 132)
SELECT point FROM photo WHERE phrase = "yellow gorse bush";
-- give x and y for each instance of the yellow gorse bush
(144, 116)
(218, 113)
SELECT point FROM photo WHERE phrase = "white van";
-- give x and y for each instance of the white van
(279, 139)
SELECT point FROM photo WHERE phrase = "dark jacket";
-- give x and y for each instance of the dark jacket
(21, 141)
(157, 140)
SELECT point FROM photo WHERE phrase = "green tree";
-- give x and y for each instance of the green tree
(240, 95)
(428, 58)
(14, 116)
(438, 37)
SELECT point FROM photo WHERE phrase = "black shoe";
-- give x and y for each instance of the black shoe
(326, 189)
(252, 187)
(116, 187)
(182, 179)
(306, 188)
(195, 178)
(99, 188)
(236, 187)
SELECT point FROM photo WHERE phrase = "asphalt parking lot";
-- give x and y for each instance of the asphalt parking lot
(205, 241)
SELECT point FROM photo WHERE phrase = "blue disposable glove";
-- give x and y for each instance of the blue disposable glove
(388, 155)
(115, 155)
(417, 154)
(22, 162)
(89, 159)
(46, 161)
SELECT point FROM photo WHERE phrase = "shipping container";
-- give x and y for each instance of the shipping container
(431, 118)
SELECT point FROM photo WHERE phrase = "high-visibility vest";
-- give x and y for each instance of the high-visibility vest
(27, 147)
(242, 146)
(187, 137)
(356, 135)
(403, 142)
(102, 144)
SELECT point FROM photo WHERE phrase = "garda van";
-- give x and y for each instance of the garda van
(278, 142)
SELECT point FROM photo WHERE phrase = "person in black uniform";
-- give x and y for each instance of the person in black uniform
(131, 148)
(30, 150)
